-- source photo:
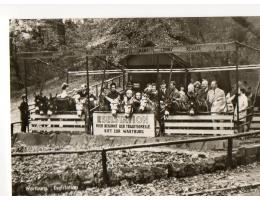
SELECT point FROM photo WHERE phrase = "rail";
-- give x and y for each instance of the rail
(97, 86)
(229, 138)
(117, 79)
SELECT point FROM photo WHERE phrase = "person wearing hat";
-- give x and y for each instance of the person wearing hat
(64, 93)
(137, 101)
(216, 98)
(160, 117)
(113, 95)
(191, 100)
(172, 92)
(197, 87)
(153, 94)
(136, 87)
(83, 91)
(129, 86)
(202, 96)
(24, 113)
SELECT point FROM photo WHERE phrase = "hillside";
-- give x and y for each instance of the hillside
(70, 38)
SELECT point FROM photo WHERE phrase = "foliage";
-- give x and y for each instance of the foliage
(75, 35)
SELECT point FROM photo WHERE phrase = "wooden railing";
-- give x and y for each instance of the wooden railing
(12, 127)
(118, 80)
(96, 87)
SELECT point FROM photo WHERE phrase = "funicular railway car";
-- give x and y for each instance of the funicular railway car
(71, 120)
(154, 64)
(140, 66)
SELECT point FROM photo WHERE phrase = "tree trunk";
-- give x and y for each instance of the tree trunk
(61, 32)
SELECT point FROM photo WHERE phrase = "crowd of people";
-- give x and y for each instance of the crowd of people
(196, 98)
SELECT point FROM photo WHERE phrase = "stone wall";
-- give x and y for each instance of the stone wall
(90, 141)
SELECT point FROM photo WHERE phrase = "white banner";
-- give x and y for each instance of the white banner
(139, 125)
(196, 48)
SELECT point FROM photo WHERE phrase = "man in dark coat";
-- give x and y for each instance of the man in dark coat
(112, 95)
(24, 111)
(83, 91)
(163, 91)
(137, 102)
(159, 116)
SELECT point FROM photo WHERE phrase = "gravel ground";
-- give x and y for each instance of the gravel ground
(86, 170)
(183, 186)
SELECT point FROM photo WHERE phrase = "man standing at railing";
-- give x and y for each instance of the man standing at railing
(24, 111)
(83, 91)
(216, 98)
(163, 91)
(64, 88)
(217, 101)
(242, 105)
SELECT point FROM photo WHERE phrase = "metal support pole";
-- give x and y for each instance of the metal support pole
(104, 167)
(170, 77)
(96, 90)
(25, 79)
(88, 114)
(103, 81)
(186, 82)
(25, 86)
(229, 153)
(67, 74)
(158, 97)
(237, 87)
(158, 81)
(124, 80)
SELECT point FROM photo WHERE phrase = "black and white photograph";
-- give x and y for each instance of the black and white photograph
(142, 106)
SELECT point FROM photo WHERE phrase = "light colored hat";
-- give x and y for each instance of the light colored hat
(190, 87)
(83, 85)
(173, 82)
(64, 85)
(197, 83)
(204, 82)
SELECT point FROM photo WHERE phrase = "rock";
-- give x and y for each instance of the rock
(124, 183)
(210, 164)
(220, 163)
(190, 169)
(159, 172)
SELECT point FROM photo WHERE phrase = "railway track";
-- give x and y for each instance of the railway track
(224, 190)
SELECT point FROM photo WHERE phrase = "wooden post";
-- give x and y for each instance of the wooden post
(104, 167)
(12, 129)
(229, 153)
(88, 114)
